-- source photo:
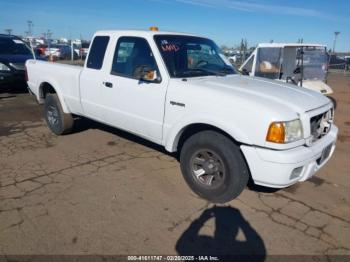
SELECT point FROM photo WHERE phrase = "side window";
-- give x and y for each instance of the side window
(248, 67)
(97, 52)
(131, 53)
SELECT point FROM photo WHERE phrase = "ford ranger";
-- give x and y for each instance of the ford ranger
(179, 91)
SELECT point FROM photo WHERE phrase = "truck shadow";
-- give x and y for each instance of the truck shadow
(229, 222)
(261, 189)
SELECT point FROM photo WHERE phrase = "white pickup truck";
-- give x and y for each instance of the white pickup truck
(178, 91)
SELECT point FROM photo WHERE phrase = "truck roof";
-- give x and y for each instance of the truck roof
(141, 33)
(289, 45)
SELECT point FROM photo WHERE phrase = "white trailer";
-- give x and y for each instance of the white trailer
(304, 65)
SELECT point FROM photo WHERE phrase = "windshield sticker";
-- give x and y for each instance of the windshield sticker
(170, 48)
(18, 41)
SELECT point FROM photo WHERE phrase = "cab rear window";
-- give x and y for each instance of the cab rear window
(97, 52)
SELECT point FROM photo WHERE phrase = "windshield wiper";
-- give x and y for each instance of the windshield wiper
(216, 73)
(193, 72)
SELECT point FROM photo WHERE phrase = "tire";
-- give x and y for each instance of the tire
(211, 151)
(59, 122)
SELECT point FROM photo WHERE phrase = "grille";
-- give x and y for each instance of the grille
(321, 124)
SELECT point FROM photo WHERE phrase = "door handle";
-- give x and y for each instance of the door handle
(108, 84)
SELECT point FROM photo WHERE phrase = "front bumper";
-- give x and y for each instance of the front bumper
(282, 168)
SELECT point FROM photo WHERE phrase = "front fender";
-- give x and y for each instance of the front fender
(173, 133)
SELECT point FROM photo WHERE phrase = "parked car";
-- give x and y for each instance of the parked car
(176, 90)
(40, 50)
(234, 58)
(14, 52)
(336, 62)
(347, 62)
(60, 51)
(84, 50)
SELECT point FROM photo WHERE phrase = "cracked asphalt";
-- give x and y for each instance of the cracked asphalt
(102, 191)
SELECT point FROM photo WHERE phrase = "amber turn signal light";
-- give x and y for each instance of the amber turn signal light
(276, 133)
(153, 28)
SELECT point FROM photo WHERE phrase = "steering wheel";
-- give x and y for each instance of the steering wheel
(297, 70)
(201, 62)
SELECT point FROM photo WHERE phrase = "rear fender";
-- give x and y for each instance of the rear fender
(55, 86)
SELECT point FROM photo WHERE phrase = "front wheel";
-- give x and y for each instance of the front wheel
(213, 166)
(59, 122)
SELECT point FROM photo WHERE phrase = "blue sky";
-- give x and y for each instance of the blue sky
(226, 21)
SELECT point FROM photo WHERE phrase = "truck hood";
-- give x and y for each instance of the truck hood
(297, 98)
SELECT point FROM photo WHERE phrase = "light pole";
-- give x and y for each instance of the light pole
(335, 40)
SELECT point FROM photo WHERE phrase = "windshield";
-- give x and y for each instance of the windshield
(268, 62)
(315, 63)
(188, 56)
(9, 46)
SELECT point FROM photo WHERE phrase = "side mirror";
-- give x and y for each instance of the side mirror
(145, 73)
(245, 72)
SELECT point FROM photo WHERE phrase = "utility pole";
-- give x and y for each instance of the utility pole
(336, 33)
(8, 31)
(49, 33)
(30, 28)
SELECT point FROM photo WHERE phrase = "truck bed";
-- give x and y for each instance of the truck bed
(64, 76)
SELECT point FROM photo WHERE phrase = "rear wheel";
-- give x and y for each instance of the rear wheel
(59, 122)
(213, 166)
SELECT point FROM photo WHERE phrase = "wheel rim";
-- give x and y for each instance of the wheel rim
(52, 116)
(207, 168)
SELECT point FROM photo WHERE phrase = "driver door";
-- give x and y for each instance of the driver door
(135, 105)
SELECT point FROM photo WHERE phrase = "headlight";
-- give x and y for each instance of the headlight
(285, 132)
(4, 67)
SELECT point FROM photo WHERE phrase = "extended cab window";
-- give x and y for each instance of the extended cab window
(132, 53)
(97, 52)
